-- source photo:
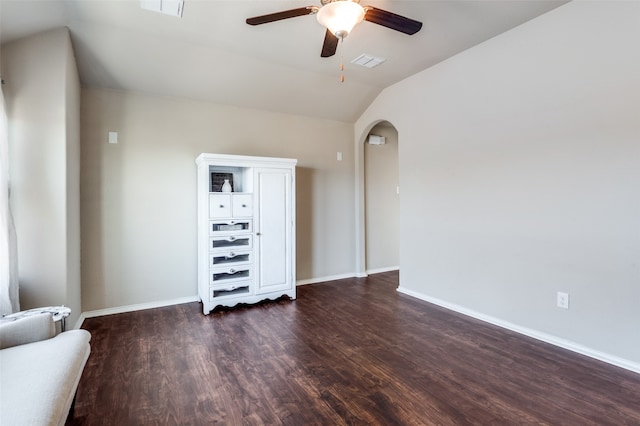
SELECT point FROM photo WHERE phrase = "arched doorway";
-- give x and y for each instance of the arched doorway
(378, 199)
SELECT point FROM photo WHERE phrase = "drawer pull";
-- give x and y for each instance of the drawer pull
(231, 255)
(232, 271)
(232, 238)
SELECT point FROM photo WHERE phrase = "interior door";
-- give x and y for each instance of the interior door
(273, 230)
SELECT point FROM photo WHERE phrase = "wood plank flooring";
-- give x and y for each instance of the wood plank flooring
(353, 352)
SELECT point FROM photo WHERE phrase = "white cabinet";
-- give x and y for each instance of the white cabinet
(246, 238)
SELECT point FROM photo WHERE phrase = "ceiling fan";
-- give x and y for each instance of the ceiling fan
(339, 17)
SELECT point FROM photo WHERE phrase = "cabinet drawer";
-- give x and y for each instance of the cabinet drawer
(229, 274)
(237, 242)
(226, 227)
(219, 205)
(242, 205)
(240, 288)
(229, 258)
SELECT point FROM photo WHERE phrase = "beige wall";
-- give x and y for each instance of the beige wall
(381, 200)
(43, 102)
(138, 198)
(522, 158)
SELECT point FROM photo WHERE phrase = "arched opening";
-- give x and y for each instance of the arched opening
(377, 199)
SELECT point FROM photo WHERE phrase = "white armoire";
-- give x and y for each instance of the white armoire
(246, 229)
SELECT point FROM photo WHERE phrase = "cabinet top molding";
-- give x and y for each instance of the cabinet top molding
(239, 160)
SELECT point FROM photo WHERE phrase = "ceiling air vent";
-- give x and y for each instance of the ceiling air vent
(168, 7)
(368, 61)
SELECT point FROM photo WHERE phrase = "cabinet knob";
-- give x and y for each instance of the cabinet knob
(244, 205)
(258, 233)
(232, 254)
(222, 206)
(232, 238)
(232, 271)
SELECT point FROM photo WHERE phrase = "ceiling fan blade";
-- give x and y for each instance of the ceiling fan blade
(391, 20)
(285, 14)
(330, 45)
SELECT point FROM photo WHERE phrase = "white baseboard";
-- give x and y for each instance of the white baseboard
(323, 279)
(548, 338)
(131, 308)
(380, 270)
(159, 304)
(343, 276)
(162, 303)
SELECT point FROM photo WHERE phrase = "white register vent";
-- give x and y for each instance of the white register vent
(168, 7)
(368, 61)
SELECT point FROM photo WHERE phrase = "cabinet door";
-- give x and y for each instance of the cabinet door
(273, 225)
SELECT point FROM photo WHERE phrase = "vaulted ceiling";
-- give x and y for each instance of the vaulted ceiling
(211, 54)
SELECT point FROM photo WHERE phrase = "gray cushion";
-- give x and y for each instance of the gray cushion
(26, 330)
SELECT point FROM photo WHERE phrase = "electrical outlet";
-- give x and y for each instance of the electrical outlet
(563, 300)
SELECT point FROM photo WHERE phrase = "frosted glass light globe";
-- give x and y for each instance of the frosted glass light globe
(340, 17)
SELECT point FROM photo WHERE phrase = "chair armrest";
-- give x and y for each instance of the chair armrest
(26, 330)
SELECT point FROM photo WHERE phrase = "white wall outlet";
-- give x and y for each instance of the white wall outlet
(113, 137)
(563, 300)
(339, 156)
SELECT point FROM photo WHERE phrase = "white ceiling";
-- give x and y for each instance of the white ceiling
(211, 54)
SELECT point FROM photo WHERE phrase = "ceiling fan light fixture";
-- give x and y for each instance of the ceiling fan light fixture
(340, 16)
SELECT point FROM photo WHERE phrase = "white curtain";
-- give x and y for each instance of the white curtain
(9, 301)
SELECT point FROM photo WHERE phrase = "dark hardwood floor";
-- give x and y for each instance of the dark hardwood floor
(352, 351)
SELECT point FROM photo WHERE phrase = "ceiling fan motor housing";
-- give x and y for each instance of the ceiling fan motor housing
(331, 1)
